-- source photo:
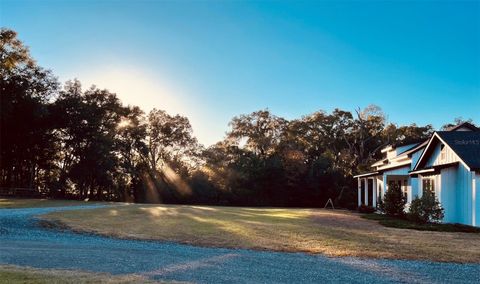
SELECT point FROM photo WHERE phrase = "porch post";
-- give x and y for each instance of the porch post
(359, 192)
(385, 184)
(374, 192)
(365, 184)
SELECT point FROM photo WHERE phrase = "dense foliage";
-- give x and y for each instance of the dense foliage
(426, 208)
(70, 142)
(393, 204)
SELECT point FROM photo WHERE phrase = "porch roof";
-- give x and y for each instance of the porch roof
(432, 170)
(367, 175)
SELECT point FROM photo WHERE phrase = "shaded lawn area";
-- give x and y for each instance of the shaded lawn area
(9, 203)
(330, 232)
(16, 274)
(406, 224)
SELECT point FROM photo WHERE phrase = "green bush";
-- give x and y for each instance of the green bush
(394, 201)
(366, 209)
(425, 209)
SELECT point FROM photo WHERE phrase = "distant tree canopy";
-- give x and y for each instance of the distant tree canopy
(70, 142)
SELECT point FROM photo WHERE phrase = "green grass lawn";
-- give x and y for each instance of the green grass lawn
(406, 224)
(15, 274)
(329, 232)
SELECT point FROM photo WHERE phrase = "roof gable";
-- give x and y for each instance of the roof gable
(464, 127)
(465, 144)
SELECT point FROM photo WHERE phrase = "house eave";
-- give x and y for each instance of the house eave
(432, 170)
(366, 175)
(391, 167)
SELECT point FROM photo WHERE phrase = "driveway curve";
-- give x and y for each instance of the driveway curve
(24, 243)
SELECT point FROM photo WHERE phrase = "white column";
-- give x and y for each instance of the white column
(420, 186)
(365, 184)
(374, 191)
(385, 184)
(359, 192)
(409, 189)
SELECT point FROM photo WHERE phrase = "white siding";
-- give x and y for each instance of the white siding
(415, 187)
(477, 200)
(464, 195)
(437, 158)
(415, 157)
(433, 156)
(449, 197)
(391, 154)
(398, 171)
(454, 188)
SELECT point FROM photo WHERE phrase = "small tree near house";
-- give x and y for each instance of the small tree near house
(394, 201)
(426, 208)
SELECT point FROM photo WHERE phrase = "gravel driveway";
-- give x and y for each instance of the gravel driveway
(24, 243)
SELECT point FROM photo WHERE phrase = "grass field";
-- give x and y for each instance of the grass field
(333, 233)
(9, 203)
(14, 274)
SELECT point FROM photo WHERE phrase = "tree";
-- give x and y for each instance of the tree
(426, 208)
(413, 133)
(394, 201)
(87, 126)
(168, 138)
(27, 151)
(14, 55)
(172, 151)
(132, 151)
(75, 143)
(365, 139)
(261, 132)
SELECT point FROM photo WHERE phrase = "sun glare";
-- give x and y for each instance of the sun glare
(135, 86)
(124, 122)
(139, 86)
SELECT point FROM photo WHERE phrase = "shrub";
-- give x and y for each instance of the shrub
(366, 209)
(426, 208)
(394, 201)
(380, 205)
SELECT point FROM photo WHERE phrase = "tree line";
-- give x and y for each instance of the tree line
(66, 141)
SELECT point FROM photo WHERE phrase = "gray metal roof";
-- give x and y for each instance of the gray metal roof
(466, 144)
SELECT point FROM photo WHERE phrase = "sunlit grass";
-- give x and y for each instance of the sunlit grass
(333, 233)
(16, 274)
(26, 203)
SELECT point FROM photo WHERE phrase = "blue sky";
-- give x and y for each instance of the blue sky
(212, 60)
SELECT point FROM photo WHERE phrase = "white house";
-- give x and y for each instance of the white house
(448, 162)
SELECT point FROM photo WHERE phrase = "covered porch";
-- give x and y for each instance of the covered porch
(369, 188)
(372, 186)
(402, 181)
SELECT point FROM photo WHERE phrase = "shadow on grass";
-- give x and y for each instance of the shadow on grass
(406, 224)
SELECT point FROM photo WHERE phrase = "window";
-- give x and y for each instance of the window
(405, 188)
(428, 183)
